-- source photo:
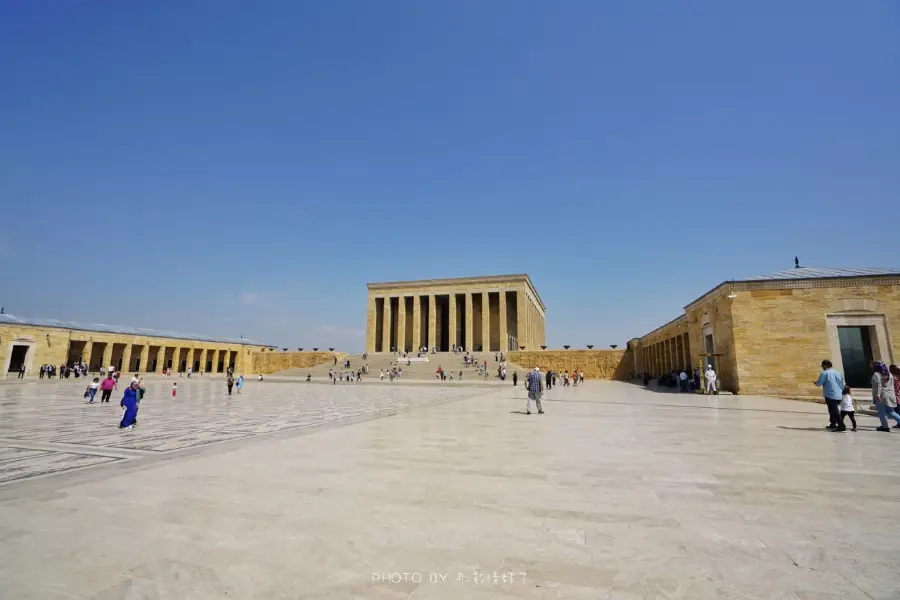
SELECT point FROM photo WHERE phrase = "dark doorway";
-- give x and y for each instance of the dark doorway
(17, 359)
(856, 354)
(442, 323)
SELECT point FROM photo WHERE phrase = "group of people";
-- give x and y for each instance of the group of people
(344, 375)
(684, 381)
(64, 371)
(838, 397)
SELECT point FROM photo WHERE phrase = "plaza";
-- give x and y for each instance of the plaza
(374, 490)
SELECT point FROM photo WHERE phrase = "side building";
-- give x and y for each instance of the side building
(768, 334)
(496, 314)
(35, 342)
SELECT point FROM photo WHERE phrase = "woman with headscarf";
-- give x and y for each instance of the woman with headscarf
(130, 404)
(883, 395)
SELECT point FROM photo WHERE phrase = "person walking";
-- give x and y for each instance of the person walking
(21, 371)
(92, 389)
(106, 388)
(884, 395)
(683, 378)
(847, 409)
(832, 384)
(515, 378)
(549, 380)
(130, 405)
(240, 384)
(229, 381)
(535, 388)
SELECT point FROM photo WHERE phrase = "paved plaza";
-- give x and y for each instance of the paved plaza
(373, 490)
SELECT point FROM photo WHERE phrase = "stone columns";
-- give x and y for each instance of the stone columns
(485, 322)
(386, 325)
(432, 322)
(126, 359)
(504, 334)
(452, 321)
(161, 358)
(401, 324)
(203, 359)
(470, 329)
(417, 323)
(522, 319)
(142, 358)
(370, 328)
(107, 355)
(86, 353)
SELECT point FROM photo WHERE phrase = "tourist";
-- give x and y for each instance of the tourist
(535, 388)
(696, 381)
(112, 369)
(260, 377)
(884, 395)
(515, 378)
(92, 390)
(549, 380)
(240, 384)
(106, 388)
(832, 385)
(21, 371)
(683, 378)
(130, 405)
(308, 377)
(174, 390)
(581, 376)
(711, 387)
(847, 409)
(381, 375)
(43, 371)
(189, 371)
(229, 383)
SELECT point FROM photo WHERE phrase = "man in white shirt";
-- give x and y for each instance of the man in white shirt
(112, 369)
(683, 378)
(711, 381)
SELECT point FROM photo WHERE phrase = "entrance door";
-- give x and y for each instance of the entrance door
(856, 354)
(17, 358)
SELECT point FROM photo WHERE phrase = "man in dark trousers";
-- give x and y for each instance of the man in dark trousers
(832, 384)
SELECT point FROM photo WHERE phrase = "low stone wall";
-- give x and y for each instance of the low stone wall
(596, 364)
(273, 362)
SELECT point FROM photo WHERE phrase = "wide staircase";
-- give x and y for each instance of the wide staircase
(415, 370)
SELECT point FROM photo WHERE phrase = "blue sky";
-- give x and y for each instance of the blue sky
(245, 168)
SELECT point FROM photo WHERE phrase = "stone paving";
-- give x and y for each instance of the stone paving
(378, 491)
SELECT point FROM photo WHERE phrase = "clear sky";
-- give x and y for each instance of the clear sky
(236, 167)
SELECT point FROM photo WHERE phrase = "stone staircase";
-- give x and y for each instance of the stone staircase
(450, 362)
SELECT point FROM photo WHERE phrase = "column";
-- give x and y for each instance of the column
(452, 321)
(161, 358)
(470, 329)
(107, 355)
(142, 358)
(386, 325)
(401, 324)
(504, 334)
(203, 359)
(521, 317)
(86, 353)
(126, 359)
(417, 323)
(485, 322)
(432, 322)
(370, 327)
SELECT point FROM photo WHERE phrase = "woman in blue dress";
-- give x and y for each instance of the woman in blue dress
(130, 404)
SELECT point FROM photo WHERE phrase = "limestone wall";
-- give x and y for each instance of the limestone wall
(781, 336)
(596, 364)
(273, 362)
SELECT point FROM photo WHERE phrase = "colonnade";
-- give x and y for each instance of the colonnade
(495, 320)
(149, 358)
(670, 354)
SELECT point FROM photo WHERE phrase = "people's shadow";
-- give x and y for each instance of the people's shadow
(518, 412)
(825, 429)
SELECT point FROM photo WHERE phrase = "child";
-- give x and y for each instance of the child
(174, 389)
(847, 409)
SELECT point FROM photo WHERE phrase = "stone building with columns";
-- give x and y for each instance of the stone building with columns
(35, 342)
(768, 334)
(495, 314)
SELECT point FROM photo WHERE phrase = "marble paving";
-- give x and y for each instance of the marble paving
(302, 491)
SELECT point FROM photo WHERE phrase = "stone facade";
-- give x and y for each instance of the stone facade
(272, 362)
(596, 364)
(496, 314)
(769, 336)
(38, 345)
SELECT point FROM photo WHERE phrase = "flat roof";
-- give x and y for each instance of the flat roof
(6, 319)
(457, 280)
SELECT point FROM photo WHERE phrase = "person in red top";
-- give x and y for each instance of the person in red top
(108, 385)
